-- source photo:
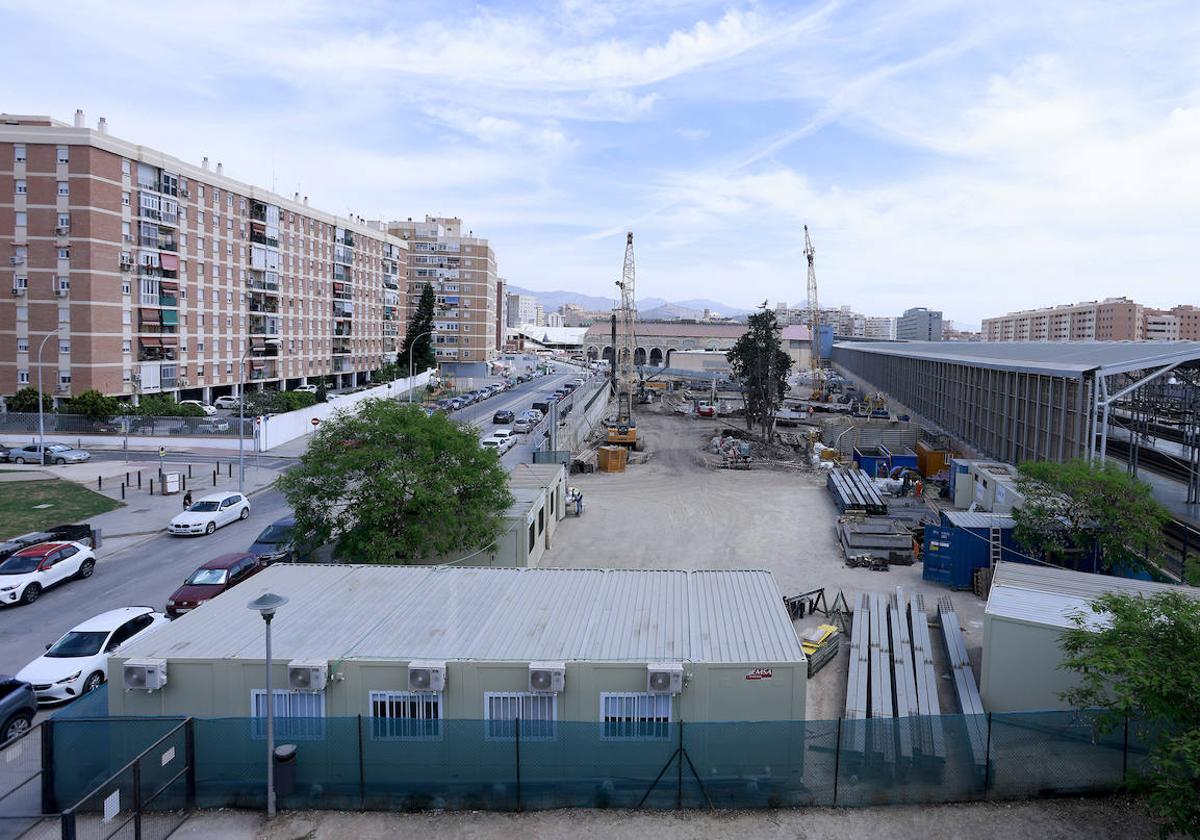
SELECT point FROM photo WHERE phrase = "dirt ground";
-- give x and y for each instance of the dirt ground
(1046, 819)
(674, 512)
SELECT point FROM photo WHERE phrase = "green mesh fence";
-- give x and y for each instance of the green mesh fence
(372, 763)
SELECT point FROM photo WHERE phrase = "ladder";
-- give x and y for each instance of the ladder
(995, 552)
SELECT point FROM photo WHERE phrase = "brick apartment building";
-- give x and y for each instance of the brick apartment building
(462, 269)
(144, 274)
(1112, 319)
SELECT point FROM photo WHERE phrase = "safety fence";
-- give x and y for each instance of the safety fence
(509, 765)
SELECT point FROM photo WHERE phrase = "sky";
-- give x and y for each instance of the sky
(971, 157)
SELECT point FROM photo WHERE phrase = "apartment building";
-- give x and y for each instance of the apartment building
(133, 272)
(522, 309)
(462, 271)
(879, 327)
(1112, 319)
(919, 324)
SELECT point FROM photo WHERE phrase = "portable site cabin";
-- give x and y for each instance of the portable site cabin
(552, 478)
(1027, 611)
(522, 539)
(480, 644)
(989, 485)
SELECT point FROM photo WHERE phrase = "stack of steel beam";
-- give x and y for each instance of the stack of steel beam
(854, 492)
(856, 682)
(969, 702)
(930, 737)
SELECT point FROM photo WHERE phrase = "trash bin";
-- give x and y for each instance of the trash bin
(285, 769)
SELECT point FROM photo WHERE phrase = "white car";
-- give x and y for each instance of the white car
(205, 407)
(25, 575)
(226, 402)
(208, 513)
(78, 662)
(502, 441)
(306, 389)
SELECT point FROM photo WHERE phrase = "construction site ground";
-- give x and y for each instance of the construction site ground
(673, 511)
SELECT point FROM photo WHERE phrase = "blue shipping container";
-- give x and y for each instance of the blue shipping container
(950, 554)
(903, 458)
(872, 460)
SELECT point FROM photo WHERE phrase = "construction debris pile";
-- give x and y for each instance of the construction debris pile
(733, 452)
(877, 528)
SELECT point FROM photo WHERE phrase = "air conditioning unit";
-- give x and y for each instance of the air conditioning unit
(16, 260)
(307, 675)
(426, 676)
(17, 291)
(62, 230)
(126, 266)
(144, 674)
(664, 678)
(62, 292)
(547, 677)
(63, 389)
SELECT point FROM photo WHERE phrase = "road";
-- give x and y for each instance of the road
(149, 572)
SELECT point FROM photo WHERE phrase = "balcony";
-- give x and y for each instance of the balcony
(168, 300)
(343, 329)
(258, 211)
(342, 312)
(340, 364)
(264, 282)
(272, 308)
(261, 325)
(341, 347)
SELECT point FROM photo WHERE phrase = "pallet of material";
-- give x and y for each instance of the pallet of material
(854, 491)
(879, 537)
(965, 689)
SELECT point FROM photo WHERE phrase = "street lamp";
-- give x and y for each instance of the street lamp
(41, 407)
(410, 361)
(265, 605)
(270, 342)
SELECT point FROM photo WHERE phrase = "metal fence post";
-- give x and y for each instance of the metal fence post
(189, 736)
(362, 771)
(837, 761)
(679, 780)
(49, 799)
(136, 795)
(517, 742)
(987, 760)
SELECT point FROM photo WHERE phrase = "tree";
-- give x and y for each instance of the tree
(389, 484)
(762, 367)
(417, 340)
(1136, 660)
(94, 406)
(277, 402)
(26, 401)
(322, 394)
(1077, 506)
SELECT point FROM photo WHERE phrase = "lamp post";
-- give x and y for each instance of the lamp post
(270, 342)
(265, 605)
(41, 407)
(410, 361)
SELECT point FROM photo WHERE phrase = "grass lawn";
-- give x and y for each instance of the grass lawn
(69, 503)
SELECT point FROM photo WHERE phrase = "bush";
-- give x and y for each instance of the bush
(26, 401)
(157, 405)
(94, 406)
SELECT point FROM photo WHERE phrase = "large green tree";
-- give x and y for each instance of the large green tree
(26, 401)
(94, 406)
(1136, 660)
(417, 339)
(761, 366)
(388, 484)
(1075, 506)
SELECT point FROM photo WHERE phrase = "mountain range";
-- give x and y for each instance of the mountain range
(656, 308)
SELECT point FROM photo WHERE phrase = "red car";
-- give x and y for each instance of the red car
(211, 579)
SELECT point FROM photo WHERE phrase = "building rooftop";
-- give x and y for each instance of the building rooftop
(443, 613)
(1056, 358)
(599, 332)
(554, 335)
(795, 332)
(1048, 595)
(535, 475)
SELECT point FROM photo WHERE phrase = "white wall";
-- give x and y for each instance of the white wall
(279, 429)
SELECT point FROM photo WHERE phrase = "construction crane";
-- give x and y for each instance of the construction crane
(622, 430)
(814, 321)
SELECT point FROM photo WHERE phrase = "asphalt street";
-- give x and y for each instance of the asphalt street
(147, 573)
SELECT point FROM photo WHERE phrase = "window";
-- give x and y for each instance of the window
(64, 188)
(64, 154)
(23, 377)
(64, 283)
(64, 347)
(22, 345)
(19, 153)
(125, 319)
(64, 314)
(64, 220)
(127, 374)
(126, 346)
(406, 714)
(538, 713)
(125, 169)
(299, 715)
(541, 519)
(635, 715)
(20, 282)
(125, 199)
(21, 220)
(532, 538)
(125, 288)
(64, 377)
(20, 187)
(64, 253)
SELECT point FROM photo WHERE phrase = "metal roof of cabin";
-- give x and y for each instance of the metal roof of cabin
(491, 614)
(1057, 358)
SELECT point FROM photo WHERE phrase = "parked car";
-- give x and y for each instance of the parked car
(275, 542)
(506, 435)
(503, 417)
(226, 402)
(18, 705)
(213, 426)
(59, 533)
(205, 407)
(501, 445)
(211, 579)
(706, 410)
(208, 513)
(522, 425)
(56, 453)
(306, 389)
(29, 572)
(4, 450)
(534, 414)
(78, 662)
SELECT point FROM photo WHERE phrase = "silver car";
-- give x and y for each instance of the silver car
(56, 453)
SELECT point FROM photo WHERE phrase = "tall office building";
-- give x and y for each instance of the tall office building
(133, 272)
(919, 324)
(462, 271)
